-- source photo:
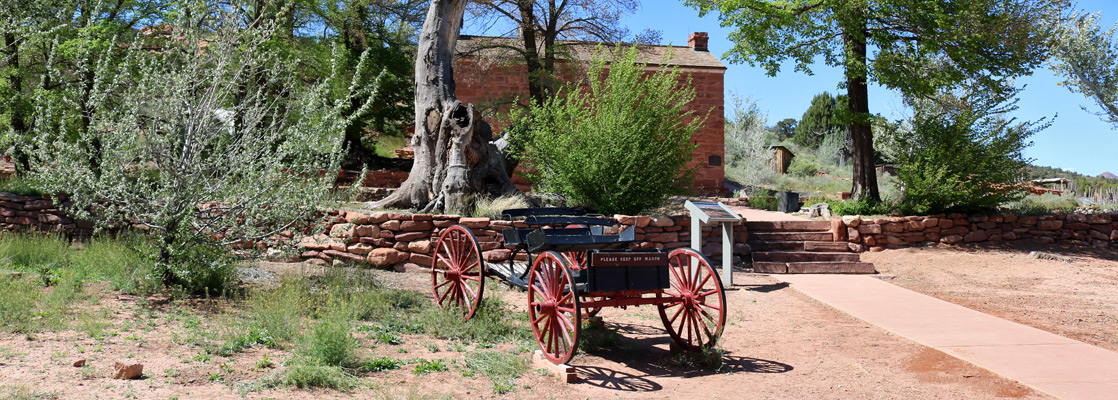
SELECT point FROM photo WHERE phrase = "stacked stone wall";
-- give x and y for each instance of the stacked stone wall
(1096, 230)
(39, 213)
(405, 241)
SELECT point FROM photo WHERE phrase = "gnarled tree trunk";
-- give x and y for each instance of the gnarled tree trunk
(454, 158)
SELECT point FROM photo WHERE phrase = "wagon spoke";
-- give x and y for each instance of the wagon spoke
(706, 278)
(676, 315)
(443, 296)
(565, 309)
(467, 290)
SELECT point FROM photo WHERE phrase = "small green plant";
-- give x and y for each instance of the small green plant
(329, 341)
(861, 207)
(265, 363)
(761, 199)
(708, 359)
(303, 374)
(381, 364)
(424, 367)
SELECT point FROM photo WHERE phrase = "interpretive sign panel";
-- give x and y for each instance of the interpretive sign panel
(712, 212)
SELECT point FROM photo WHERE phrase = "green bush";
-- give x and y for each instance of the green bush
(620, 145)
(804, 166)
(761, 199)
(201, 269)
(958, 159)
(861, 207)
(329, 342)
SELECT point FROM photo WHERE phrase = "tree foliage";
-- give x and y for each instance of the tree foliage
(918, 47)
(747, 153)
(175, 144)
(619, 144)
(1087, 57)
(963, 155)
(817, 122)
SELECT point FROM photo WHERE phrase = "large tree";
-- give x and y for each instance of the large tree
(454, 159)
(1087, 57)
(918, 47)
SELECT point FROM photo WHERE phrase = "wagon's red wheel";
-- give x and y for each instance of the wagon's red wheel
(694, 312)
(458, 272)
(577, 261)
(553, 307)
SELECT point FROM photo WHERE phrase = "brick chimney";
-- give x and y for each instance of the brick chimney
(697, 41)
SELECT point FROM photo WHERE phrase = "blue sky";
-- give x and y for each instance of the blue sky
(1077, 140)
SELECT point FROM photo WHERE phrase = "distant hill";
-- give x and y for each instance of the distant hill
(1108, 175)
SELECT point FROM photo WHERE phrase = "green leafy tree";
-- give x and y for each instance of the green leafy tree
(1087, 57)
(170, 156)
(621, 143)
(785, 128)
(919, 47)
(963, 155)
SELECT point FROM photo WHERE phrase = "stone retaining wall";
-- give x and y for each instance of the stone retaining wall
(399, 240)
(1097, 230)
(38, 213)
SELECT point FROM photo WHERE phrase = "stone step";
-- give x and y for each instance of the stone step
(803, 256)
(827, 246)
(792, 236)
(788, 226)
(814, 267)
(768, 245)
(794, 245)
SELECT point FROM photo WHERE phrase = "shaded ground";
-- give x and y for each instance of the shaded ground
(778, 344)
(1077, 298)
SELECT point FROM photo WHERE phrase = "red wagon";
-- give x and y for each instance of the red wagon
(575, 271)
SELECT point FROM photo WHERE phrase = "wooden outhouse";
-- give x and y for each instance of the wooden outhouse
(781, 159)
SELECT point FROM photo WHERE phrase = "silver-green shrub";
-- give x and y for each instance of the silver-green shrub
(203, 136)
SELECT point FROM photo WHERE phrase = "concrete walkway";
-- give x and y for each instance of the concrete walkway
(1049, 363)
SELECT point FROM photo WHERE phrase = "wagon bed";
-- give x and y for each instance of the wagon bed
(575, 270)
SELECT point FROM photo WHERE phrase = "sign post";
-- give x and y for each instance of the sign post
(715, 212)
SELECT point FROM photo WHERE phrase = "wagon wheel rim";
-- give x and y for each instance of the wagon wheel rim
(695, 313)
(458, 271)
(553, 307)
(577, 261)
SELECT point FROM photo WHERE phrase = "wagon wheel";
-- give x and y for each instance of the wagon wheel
(577, 261)
(458, 272)
(553, 307)
(696, 313)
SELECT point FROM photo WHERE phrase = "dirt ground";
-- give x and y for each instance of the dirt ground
(1075, 295)
(779, 344)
